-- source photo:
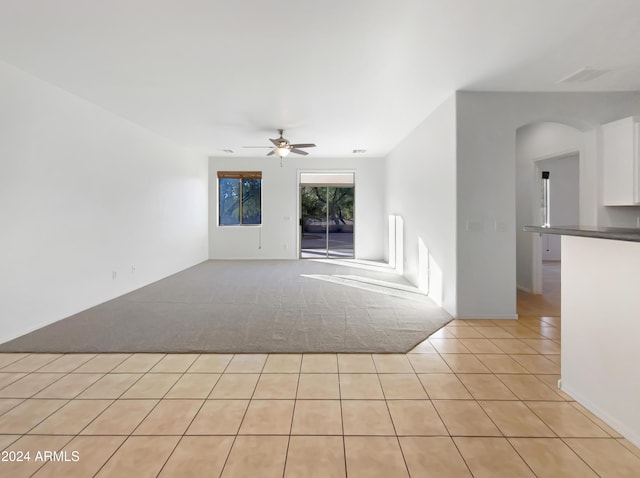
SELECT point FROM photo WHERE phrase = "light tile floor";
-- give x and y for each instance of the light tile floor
(478, 398)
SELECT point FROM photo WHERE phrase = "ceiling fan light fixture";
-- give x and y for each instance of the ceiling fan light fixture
(281, 151)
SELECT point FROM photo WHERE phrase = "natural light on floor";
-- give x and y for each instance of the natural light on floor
(372, 285)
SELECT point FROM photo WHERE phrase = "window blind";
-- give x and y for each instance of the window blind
(239, 174)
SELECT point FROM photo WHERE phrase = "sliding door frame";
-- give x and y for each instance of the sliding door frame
(328, 185)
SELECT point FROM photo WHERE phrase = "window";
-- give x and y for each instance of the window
(239, 198)
(546, 211)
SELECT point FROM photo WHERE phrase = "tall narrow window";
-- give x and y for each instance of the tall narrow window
(546, 212)
(239, 198)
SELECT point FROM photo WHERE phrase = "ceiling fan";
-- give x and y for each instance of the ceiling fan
(282, 147)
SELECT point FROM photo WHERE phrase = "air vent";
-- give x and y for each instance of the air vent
(583, 75)
(228, 150)
(359, 151)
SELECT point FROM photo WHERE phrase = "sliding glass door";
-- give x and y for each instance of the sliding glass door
(326, 220)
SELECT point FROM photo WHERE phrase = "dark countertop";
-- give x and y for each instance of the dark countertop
(616, 233)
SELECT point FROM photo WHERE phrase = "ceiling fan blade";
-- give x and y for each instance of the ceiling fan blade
(303, 145)
(276, 142)
(298, 151)
(257, 146)
(271, 152)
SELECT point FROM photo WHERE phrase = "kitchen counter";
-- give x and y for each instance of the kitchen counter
(616, 233)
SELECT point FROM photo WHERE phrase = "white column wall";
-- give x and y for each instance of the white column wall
(421, 188)
(600, 329)
(84, 194)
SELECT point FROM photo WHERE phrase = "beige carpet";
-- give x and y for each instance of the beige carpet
(252, 307)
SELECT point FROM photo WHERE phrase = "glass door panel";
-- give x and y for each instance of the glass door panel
(340, 222)
(313, 221)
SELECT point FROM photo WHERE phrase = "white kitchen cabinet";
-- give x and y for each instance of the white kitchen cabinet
(621, 169)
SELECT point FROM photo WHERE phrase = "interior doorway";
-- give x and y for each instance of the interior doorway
(327, 215)
(559, 204)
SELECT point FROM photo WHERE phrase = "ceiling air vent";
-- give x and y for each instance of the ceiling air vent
(359, 151)
(583, 75)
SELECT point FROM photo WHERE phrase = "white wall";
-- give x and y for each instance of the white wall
(600, 329)
(486, 161)
(278, 236)
(84, 193)
(421, 187)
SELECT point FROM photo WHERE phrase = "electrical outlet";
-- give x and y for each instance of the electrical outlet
(114, 275)
(133, 269)
(474, 226)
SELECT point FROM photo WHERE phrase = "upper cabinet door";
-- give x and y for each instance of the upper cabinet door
(620, 162)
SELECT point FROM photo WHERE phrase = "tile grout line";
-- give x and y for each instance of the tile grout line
(293, 412)
(67, 355)
(578, 455)
(24, 374)
(34, 369)
(27, 375)
(244, 415)
(103, 371)
(245, 412)
(20, 402)
(521, 457)
(75, 397)
(26, 354)
(386, 403)
(344, 442)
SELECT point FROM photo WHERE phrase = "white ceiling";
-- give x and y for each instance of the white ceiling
(345, 74)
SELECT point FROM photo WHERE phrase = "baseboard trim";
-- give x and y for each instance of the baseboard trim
(632, 435)
(524, 289)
